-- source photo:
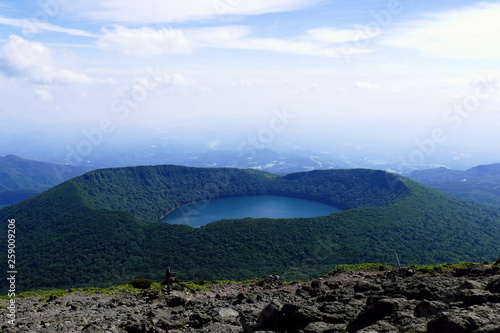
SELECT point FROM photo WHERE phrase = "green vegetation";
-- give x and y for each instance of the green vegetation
(427, 269)
(193, 286)
(141, 283)
(359, 268)
(497, 263)
(44, 295)
(441, 268)
(101, 229)
(477, 191)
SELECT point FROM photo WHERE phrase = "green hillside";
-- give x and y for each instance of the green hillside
(101, 228)
(21, 179)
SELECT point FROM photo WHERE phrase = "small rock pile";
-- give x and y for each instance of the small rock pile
(398, 300)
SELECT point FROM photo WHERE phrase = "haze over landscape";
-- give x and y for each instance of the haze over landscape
(391, 84)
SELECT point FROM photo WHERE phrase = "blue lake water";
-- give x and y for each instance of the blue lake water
(270, 206)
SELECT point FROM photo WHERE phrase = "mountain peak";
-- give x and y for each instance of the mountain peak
(481, 170)
(12, 157)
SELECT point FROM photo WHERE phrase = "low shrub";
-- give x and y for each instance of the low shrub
(141, 283)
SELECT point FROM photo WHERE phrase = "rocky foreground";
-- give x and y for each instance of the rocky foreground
(398, 300)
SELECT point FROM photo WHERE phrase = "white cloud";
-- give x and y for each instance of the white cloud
(316, 42)
(165, 11)
(148, 42)
(145, 42)
(472, 32)
(35, 62)
(220, 37)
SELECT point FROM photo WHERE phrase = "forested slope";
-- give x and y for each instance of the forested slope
(150, 192)
(100, 228)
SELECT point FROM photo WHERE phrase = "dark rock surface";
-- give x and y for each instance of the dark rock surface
(399, 300)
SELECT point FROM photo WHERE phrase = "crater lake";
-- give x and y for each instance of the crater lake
(269, 206)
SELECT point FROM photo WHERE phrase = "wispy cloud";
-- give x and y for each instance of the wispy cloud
(472, 32)
(149, 42)
(169, 11)
(34, 26)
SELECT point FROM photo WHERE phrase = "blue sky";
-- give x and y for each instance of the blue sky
(415, 80)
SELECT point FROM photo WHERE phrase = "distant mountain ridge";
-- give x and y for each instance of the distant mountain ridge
(436, 176)
(100, 228)
(480, 184)
(21, 178)
(485, 172)
(488, 172)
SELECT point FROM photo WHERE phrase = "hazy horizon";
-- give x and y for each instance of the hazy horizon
(392, 83)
